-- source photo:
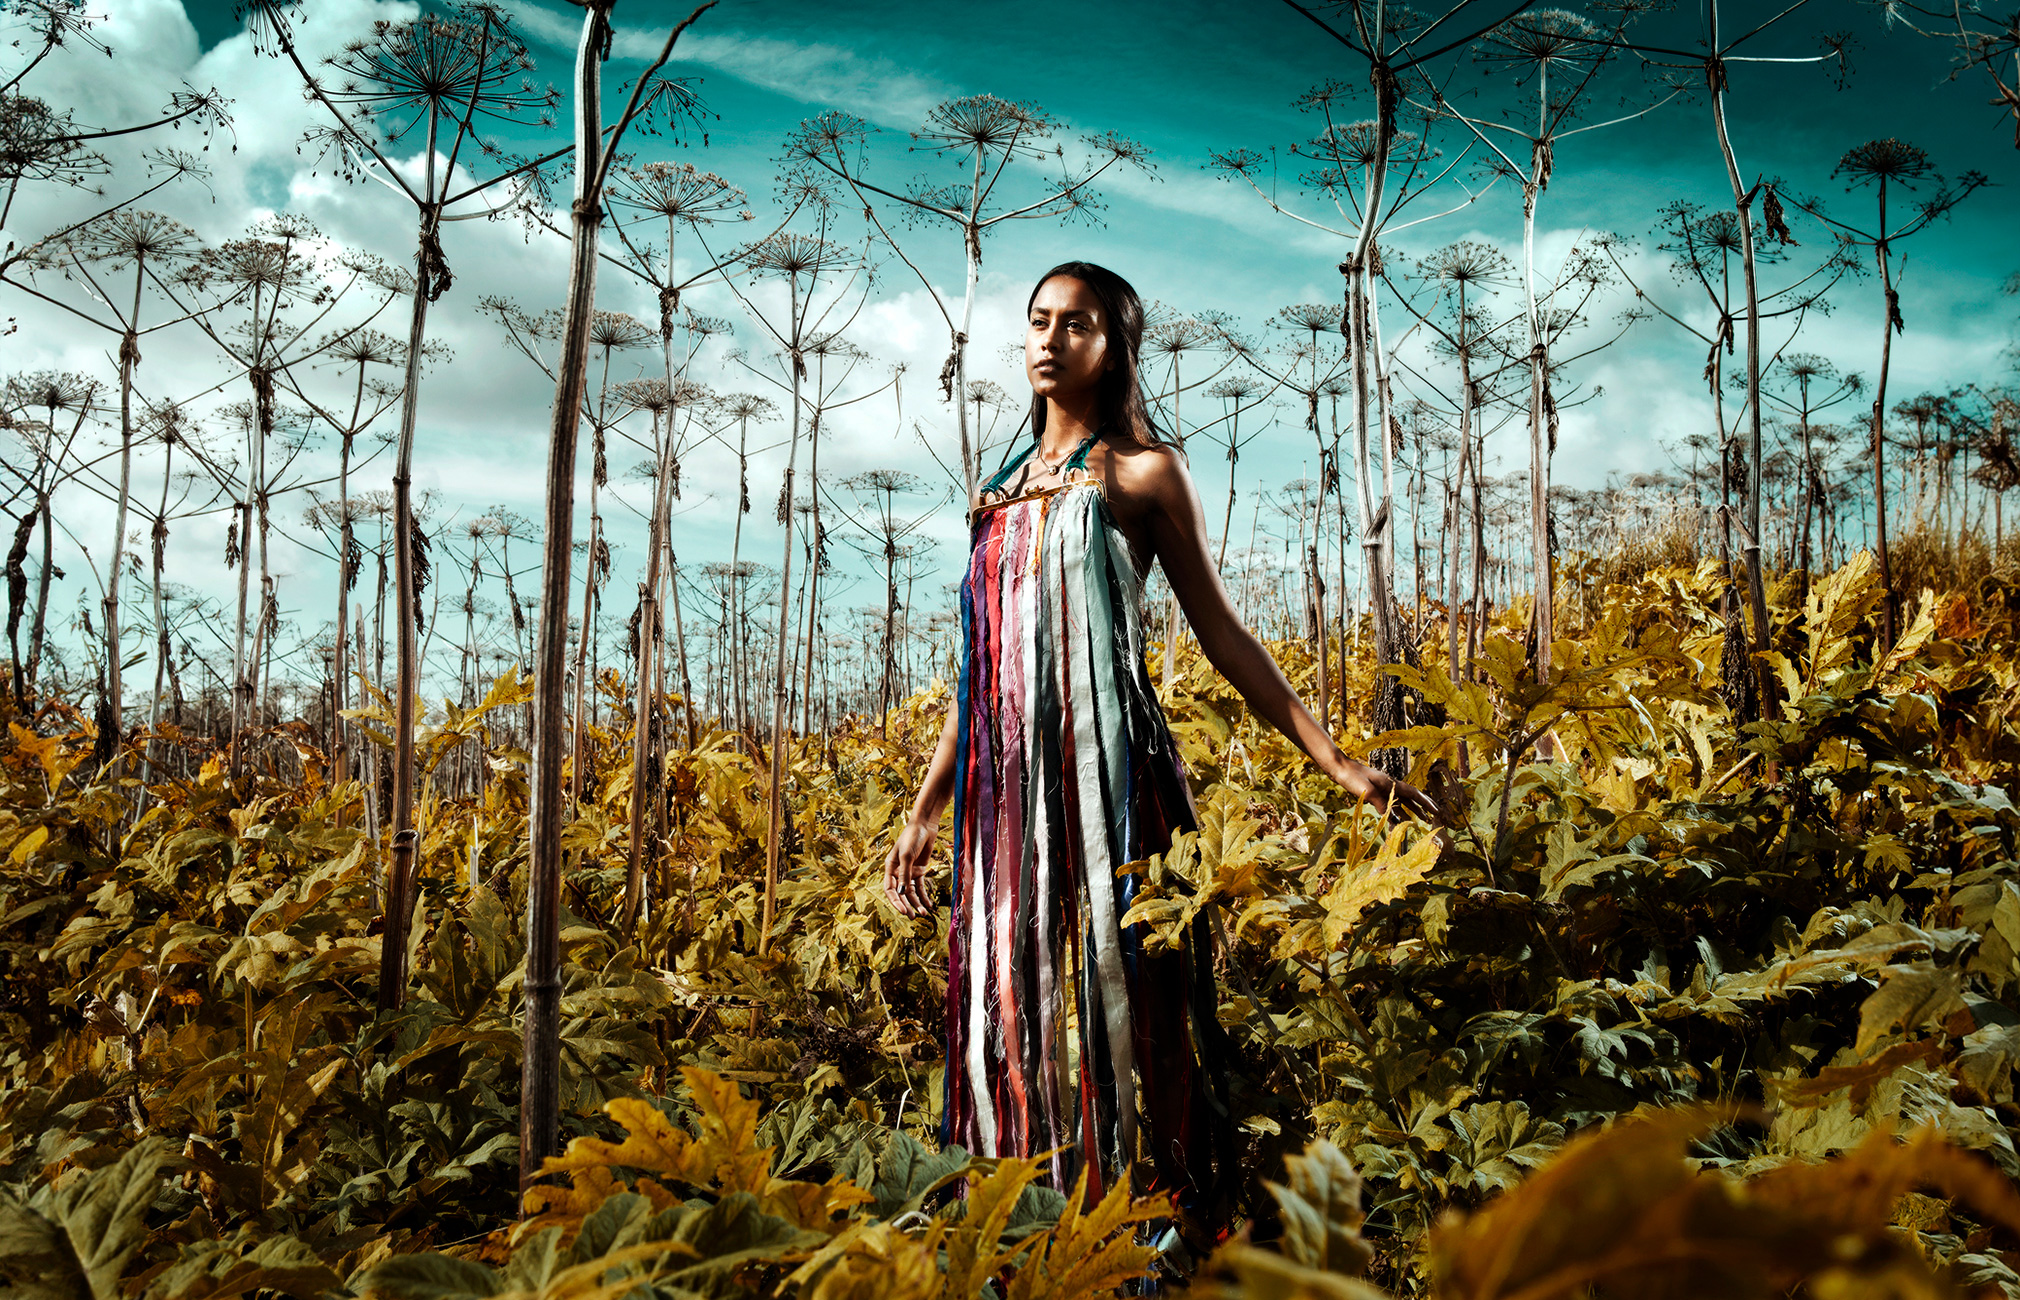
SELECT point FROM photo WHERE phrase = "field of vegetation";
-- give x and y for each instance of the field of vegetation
(1693, 1009)
(442, 923)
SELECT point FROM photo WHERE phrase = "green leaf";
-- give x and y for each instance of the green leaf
(36, 1260)
(1986, 1064)
(216, 1270)
(908, 1173)
(1322, 1211)
(75, 1239)
(733, 1232)
(613, 1225)
(1499, 1143)
(537, 1259)
(1909, 996)
(429, 1277)
(1037, 1209)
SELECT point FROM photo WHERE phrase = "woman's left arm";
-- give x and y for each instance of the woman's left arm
(1177, 529)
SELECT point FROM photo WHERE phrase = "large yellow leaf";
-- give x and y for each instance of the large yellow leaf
(58, 755)
(812, 1205)
(1321, 1209)
(724, 1156)
(1575, 1209)
(727, 1144)
(974, 1252)
(1832, 613)
(1621, 1211)
(1911, 994)
(1919, 634)
(587, 1188)
(25, 847)
(1855, 1194)
(875, 1261)
(1392, 871)
(1089, 1252)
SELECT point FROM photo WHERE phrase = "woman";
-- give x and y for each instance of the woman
(1064, 1033)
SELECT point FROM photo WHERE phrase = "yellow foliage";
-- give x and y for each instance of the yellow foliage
(723, 1157)
(1674, 902)
(1833, 611)
(876, 1262)
(1856, 1193)
(1384, 879)
(1621, 1210)
(58, 755)
(1089, 1252)
(974, 1252)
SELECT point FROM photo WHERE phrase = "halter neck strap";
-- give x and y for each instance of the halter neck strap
(995, 482)
(1078, 460)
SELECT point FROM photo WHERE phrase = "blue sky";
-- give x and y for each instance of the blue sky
(1191, 79)
(1183, 79)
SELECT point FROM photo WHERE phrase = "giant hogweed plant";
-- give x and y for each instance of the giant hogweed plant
(1799, 914)
(1650, 1016)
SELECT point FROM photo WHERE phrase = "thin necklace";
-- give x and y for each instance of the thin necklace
(1038, 454)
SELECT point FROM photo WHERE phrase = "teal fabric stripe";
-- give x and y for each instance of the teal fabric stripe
(1090, 696)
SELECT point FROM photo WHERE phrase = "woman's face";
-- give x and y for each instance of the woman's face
(1066, 339)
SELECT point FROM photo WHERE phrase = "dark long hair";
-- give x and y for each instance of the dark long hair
(1120, 404)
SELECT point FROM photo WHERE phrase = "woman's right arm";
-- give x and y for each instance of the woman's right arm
(905, 866)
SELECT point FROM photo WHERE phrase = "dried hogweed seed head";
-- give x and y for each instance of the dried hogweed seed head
(679, 192)
(123, 238)
(1313, 317)
(1884, 160)
(618, 331)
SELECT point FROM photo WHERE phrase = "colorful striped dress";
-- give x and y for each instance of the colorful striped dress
(1064, 1034)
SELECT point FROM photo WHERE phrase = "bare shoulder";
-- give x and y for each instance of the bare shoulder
(1150, 495)
(1147, 476)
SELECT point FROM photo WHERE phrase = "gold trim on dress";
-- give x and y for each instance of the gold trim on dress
(1038, 494)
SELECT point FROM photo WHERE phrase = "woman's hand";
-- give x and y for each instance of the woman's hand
(905, 865)
(1385, 792)
(905, 869)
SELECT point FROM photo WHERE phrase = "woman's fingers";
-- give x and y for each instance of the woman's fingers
(905, 873)
(897, 882)
(915, 877)
(1406, 797)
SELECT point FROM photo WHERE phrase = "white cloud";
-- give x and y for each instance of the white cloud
(829, 76)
